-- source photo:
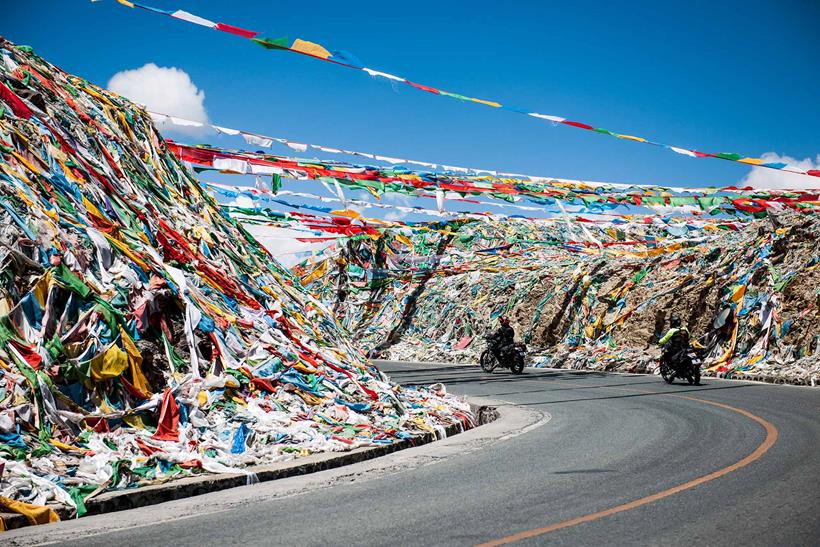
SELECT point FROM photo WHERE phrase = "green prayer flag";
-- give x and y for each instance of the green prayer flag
(273, 43)
(69, 280)
(78, 494)
(454, 95)
(728, 156)
(639, 276)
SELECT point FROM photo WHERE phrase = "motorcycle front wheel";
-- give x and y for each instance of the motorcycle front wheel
(488, 362)
(667, 374)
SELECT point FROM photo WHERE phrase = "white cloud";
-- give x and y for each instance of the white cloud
(762, 177)
(395, 215)
(398, 199)
(167, 90)
(401, 200)
(243, 201)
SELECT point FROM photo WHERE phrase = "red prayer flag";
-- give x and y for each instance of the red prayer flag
(578, 124)
(147, 449)
(17, 105)
(130, 388)
(100, 425)
(464, 342)
(747, 206)
(263, 383)
(235, 30)
(424, 87)
(168, 428)
(34, 359)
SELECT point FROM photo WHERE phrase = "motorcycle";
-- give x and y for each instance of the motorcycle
(513, 357)
(685, 364)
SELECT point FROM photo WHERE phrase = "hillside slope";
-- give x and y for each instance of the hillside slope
(143, 333)
(748, 289)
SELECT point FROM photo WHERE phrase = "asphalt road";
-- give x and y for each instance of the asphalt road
(611, 440)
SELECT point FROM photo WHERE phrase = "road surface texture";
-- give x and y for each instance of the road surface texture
(620, 459)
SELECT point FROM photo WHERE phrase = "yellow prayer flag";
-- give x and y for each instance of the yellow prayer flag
(350, 213)
(488, 103)
(404, 240)
(127, 252)
(91, 208)
(631, 138)
(135, 362)
(40, 288)
(303, 46)
(27, 163)
(66, 447)
(134, 421)
(315, 274)
(738, 293)
(109, 364)
(36, 514)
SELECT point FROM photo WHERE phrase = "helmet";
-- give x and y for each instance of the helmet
(674, 321)
(503, 320)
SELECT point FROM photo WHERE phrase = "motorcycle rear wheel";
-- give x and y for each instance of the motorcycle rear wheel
(517, 366)
(488, 362)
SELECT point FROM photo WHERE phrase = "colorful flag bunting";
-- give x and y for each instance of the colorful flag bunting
(317, 51)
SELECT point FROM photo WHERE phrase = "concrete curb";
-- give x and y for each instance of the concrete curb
(757, 379)
(120, 500)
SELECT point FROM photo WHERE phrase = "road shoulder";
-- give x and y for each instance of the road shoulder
(511, 421)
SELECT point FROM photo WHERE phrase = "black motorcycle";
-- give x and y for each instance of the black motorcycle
(513, 357)
(684, 364)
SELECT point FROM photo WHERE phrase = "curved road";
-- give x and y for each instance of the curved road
(610, 440)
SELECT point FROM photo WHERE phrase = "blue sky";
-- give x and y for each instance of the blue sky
(717, 76)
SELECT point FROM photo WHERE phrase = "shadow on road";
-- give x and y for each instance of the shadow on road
(671, 391)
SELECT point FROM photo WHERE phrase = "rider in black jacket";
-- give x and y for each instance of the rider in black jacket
(675, 340)
(501, 339)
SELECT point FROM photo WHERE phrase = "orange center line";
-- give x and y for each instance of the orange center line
(768, 442)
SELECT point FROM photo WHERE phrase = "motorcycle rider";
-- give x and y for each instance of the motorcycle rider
(674, 341)
(502, 338)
